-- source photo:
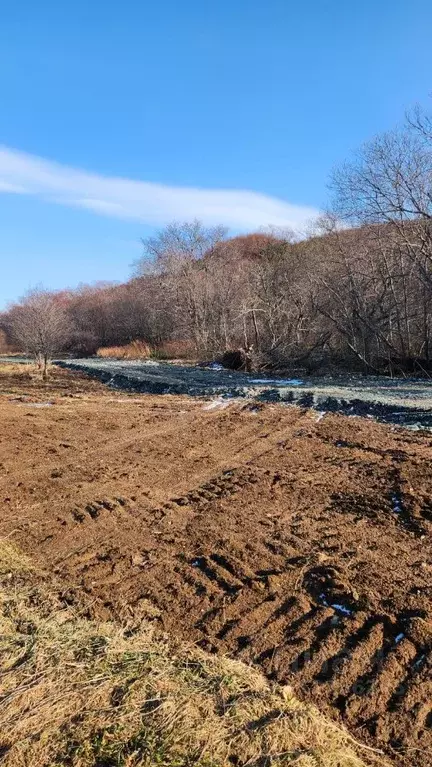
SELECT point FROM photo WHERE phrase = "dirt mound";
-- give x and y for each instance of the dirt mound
(296, 543)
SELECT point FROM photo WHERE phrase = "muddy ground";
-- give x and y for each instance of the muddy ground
(397, 400)
(295, 541)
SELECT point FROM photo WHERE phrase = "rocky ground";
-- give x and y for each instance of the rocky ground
(405, 401)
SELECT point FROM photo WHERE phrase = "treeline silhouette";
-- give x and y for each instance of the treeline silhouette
(353, 299)
(355, 294)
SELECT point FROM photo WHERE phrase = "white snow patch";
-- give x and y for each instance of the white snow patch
(278, 381)
(336, 606)
(217, 404)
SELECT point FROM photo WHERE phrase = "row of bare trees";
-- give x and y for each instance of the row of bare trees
(356, 293)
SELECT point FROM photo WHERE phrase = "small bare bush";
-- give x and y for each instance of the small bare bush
(40, 326)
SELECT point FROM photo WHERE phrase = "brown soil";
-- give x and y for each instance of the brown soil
(298, 544)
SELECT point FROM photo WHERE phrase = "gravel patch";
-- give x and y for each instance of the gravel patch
(402, 401)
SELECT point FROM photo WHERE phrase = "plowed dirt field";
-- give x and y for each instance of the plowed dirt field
(297, 542)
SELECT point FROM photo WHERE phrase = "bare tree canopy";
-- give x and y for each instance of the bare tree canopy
(39, 325)
(390, 182)
(177, 244)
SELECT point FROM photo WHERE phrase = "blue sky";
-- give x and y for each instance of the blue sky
(117, 117)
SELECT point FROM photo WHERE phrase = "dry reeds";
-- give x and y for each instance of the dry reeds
(135, 350)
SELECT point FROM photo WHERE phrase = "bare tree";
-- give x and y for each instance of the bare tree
(178, 244)
(180, 256)
(386, 193)
(39, 325)
(390, 182)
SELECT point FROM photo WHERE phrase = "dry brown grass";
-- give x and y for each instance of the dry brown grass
(138, 350)
(23, 372)
(17, 370)
(77, 693)
(25, 383)
(134, 351)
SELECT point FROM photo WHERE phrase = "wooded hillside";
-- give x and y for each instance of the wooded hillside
(356, 293)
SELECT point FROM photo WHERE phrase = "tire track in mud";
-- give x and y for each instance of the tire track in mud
(229, 482)
(299, 546)
(304, 623)
(371, 668)
(299, 617)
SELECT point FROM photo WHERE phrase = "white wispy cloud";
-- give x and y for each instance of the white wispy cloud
(150, 203)
(11, 188)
